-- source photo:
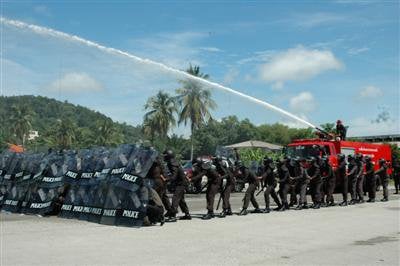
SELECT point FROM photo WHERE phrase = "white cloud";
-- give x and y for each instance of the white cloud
(174, 49)
(318, 19)
(363, 126)
(356, 51)
(75, 82)
(211, 49)
(298, 63)
(230, 76)
(42, 10)
(370, 92)
(303, 103)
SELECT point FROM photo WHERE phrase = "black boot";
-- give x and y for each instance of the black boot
(371, 200)
(229, 212)
(243, 212)
(257, 211)
(316, 206)
(222, 214)
(278, 208)
(267, 210)
(208, 216)
(299, 207)
(186, 217)
(344, 203)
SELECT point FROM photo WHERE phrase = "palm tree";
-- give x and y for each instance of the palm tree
(106, 134)
(65, 133)
(21, 121)
(195, 102)
(161, 114)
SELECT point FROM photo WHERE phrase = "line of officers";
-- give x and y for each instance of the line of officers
(295, 177)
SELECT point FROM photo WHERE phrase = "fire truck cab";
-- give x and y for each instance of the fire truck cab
(304, 148)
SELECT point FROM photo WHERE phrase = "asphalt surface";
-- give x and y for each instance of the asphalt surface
(364, 234)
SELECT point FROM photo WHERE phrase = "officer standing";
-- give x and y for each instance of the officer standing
(370, 179)
(330, 181)
(283, 175)
(382, 174)
(342, 176)
(253, 181)
(302, 182)
(225, 173)
(293, 172)
(213, 185)
(269, 182)
(360, 178)
(352, 175)
(156, 174)
(396, 174)
(341, 130)
(313, 173)
(179, 182)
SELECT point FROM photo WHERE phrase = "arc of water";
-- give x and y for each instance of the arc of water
(68, 37)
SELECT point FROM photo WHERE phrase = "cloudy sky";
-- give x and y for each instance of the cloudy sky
(321, 60)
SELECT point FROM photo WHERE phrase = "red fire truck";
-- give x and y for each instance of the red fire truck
(304, 148)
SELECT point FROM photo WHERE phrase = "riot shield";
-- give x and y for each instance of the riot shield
(44, 196)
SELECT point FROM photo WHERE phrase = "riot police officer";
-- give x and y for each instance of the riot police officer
(352, 175)
(330, 181)
(283, 175)
(213, 184)
(343, 178)
(396, 174)
(313, 173)
(269, 182)
(226, 174)
(370, 179)
(159, 184)
(360, 178)
(253, 181)
(382, 174)
(179, 182)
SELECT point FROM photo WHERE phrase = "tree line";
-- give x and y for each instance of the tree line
(62, 125)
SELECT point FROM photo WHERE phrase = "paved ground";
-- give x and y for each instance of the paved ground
(366, 234)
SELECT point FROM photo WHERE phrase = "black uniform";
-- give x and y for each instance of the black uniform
(179, 182)
(253, 181)
(341, 131)
(371, 180)
(227, 174)
(314, 174)
(269, 182)
(382, 174)
(352, 175)
(156, 174)
(360, 180)
(302, 183)
(330, 183)
(342, 176)
(213, 185)
(283, 174)
(396, 174)
(293, 172)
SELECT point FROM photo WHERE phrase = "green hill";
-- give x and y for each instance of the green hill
(47, 113)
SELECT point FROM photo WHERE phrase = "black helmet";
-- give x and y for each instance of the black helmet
(350, 157)
(206, 165)
(197, 161)
(367, 158)
(341, 156)
(267, 160)
(325, 159)
(382, 161)
(311, 159)
(359, 156)
(239, 164)
(168, 154)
